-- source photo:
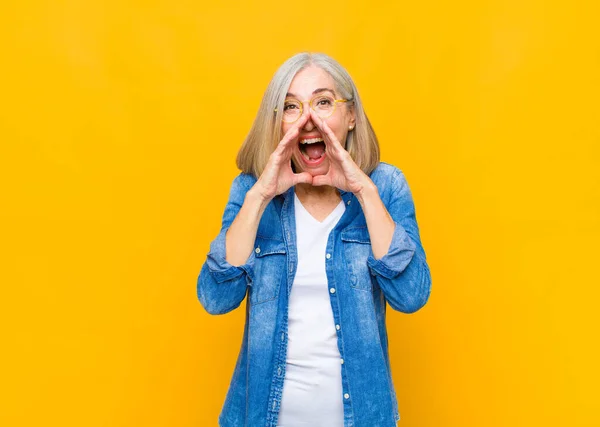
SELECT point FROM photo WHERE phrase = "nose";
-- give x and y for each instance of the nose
(309, 125)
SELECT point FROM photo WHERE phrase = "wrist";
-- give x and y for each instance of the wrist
(255, 195)
(368, 190)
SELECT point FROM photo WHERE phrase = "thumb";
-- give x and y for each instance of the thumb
(303, 178)
(321, 180)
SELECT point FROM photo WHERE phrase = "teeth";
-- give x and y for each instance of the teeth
(308, 158)
(311, 141)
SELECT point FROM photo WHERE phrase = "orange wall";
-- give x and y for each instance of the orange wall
(119, 125)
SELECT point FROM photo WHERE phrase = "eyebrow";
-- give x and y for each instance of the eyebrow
(321, 89)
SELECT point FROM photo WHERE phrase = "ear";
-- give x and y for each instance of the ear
(351, 112)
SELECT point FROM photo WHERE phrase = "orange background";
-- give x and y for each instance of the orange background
(119, 125)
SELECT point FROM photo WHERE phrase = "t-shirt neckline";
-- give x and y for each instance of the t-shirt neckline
(327, 219)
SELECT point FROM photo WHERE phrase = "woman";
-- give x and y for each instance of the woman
(320, 235)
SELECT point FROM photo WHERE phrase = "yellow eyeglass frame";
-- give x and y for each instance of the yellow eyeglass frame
(335, 101)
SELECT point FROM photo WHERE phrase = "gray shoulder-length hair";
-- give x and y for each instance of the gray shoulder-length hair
(266, 131)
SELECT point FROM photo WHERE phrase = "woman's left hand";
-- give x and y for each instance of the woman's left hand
(343, 172)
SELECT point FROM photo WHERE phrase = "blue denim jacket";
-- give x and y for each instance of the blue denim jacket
(359, 287)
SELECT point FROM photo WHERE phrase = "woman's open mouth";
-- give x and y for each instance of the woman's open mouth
(312, 150)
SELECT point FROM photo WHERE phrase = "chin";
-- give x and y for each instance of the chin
(321, 169)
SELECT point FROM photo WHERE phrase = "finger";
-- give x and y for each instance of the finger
(276, 159)
(300, 122)
(331, 141)
(303, 178)
(292, 134)
(303, 119)
(322, 180)
(289, 139)
(335, 151)
(332, 136)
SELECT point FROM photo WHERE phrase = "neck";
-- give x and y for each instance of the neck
(310, 191)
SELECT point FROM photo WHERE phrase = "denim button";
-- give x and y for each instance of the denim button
(342, 361)
(348, 201)
(257, 250)
(337, 327)
(332, 290)
(328, 256)
(279, 371)
(346, 396)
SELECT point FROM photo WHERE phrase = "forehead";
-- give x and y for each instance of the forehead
(310, 79)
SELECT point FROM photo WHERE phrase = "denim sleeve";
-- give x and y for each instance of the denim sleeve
(221, 286)
(402, 273)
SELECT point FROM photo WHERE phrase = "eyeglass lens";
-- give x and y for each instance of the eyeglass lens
(323, 105)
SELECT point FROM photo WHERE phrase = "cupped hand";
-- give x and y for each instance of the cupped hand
(343, 172)
(278, 176)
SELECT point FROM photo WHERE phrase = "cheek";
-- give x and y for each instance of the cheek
(337, 125)
(339, 130)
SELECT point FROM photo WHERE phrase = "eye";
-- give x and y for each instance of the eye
(291, 105)
(324, 101)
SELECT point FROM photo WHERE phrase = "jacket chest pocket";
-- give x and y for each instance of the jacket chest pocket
(269, 269)
(357, 248)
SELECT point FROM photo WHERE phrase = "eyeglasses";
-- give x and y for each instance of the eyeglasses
(323, 105)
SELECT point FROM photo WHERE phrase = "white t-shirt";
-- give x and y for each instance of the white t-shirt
(312, 388)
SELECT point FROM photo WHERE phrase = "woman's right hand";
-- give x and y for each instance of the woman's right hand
(278, 175)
